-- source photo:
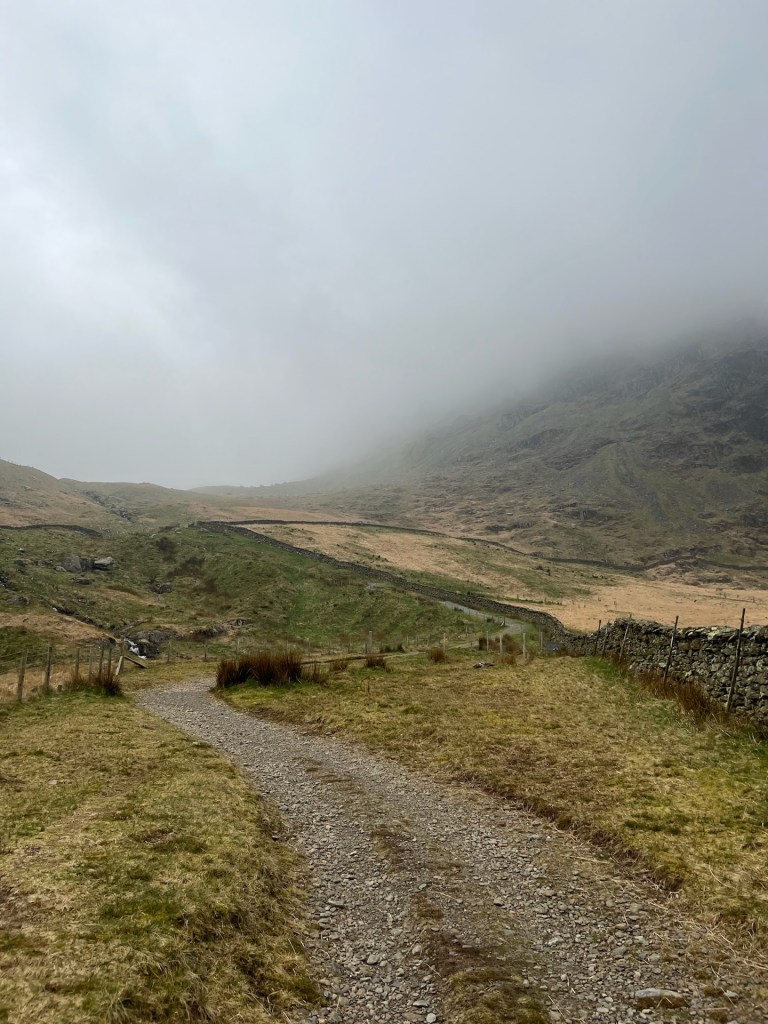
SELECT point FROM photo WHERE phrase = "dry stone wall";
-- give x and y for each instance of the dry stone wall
(702, 655)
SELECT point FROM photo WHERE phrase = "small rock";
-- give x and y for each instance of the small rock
(651, 998)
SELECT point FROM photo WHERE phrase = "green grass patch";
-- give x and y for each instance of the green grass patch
(139, 877)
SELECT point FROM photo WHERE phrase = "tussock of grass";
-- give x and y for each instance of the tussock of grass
(578, 742)
(139, 878)
(265, 668)
(103, 681)
(268, 668)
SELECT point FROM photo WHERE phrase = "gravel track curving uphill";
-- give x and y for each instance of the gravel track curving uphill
(428, 900)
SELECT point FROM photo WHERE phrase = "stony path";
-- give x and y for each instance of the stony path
(424, 896)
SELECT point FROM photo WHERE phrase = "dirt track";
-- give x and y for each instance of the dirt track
(424, 897)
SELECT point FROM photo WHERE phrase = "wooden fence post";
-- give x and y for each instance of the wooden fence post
(109, 662)
(90, 662)
(101, 659)
(77, 664)
(624, 639)
(597, 635)
(205, 651)
(735, 671)
(605, 641)
(671, 648)
(22, 674)
(47, 677)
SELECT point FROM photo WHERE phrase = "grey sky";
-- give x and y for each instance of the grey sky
(243, 240)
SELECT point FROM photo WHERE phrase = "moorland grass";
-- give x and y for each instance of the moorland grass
(140, 880)
(577, 741)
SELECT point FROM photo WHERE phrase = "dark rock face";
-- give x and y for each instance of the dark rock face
(152, 642)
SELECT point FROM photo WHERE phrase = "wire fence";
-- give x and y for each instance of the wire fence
(45, 670)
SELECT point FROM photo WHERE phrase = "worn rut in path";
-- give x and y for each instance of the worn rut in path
(429, 900)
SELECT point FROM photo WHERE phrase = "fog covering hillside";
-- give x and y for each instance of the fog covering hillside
(646, 460)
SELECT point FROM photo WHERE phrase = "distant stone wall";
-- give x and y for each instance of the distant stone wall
(702, 655)
(552, 627)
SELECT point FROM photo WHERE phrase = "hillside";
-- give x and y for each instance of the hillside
(30, 497)
(655, 460)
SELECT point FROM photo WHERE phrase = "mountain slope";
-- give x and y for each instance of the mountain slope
(630, 462)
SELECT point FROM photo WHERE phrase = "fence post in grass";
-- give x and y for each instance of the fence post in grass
(671, 647)
(90, 661)
(205, 651)
(597, 635)
(168, 656)
(101, 660)
(605, 640)
(77, 664)
(22, 674)
(735, 670)
(237, 647)
(541, 641)
(47, 677)
(525, 652)
(624, 639)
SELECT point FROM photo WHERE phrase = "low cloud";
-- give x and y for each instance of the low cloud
(243, 242)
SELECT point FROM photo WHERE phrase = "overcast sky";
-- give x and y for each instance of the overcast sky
(244, 239)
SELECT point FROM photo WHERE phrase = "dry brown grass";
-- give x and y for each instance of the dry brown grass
(454, 558)
(574, 740)
(49, 624)
(140, 880)
(33, 683)
(661, 599)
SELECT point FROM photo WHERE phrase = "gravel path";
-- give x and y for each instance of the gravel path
(426, 899)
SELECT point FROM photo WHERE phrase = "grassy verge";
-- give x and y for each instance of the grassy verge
(139, 877)
(576, 741)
